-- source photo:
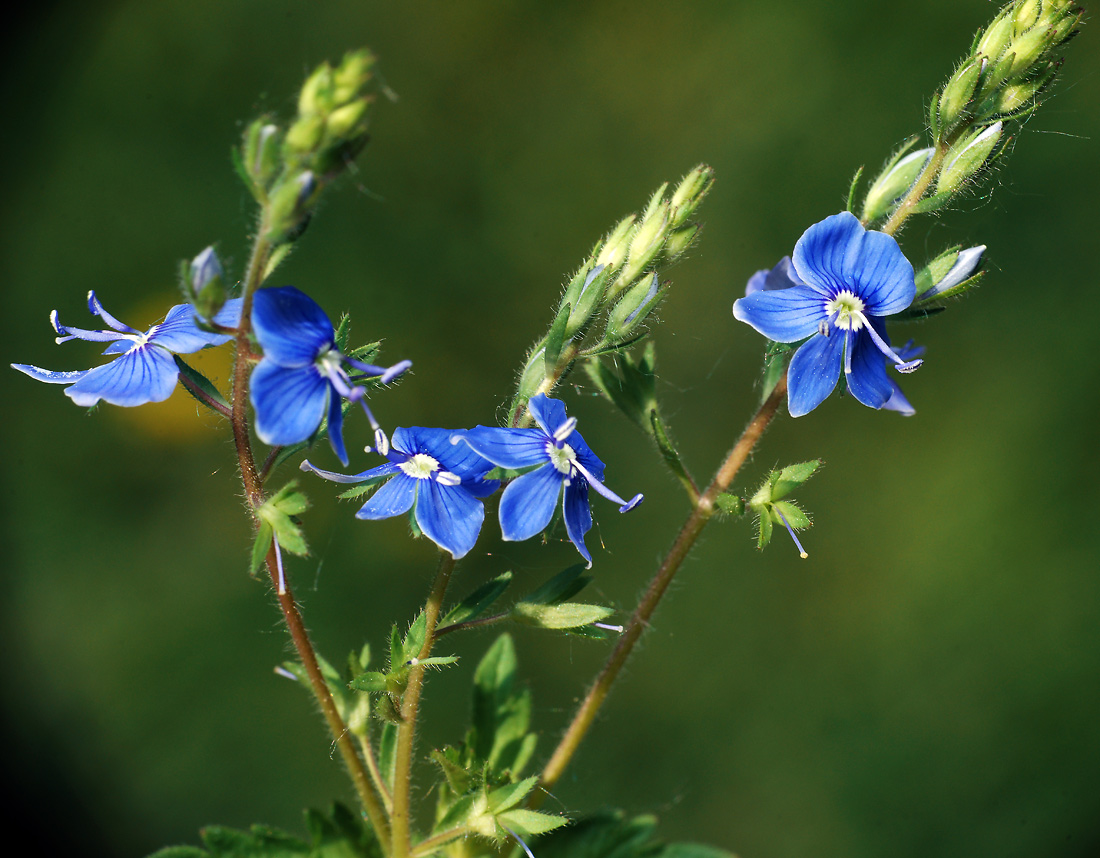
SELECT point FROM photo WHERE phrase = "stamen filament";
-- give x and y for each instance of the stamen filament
(624, 506)
(564, 431)
(801, 551)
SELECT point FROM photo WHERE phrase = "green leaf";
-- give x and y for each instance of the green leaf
(763, 528)
(387, 752)
(459, 777)
(413, 644)
(611, 835)
(562, 586)
(791, 477)
(397, 651)
(278, 512)
(851, 207)
(343, 332)
(260, 547)
(692, 850)
(180, 852)
(564, 615)
(555, 339)
(527, 823)
(260, 841)
(203, 384)
(776, 358)
(796, 518)
(477, 602)
(340, 834)
(501, 715)
(730, 504)
(372, 681)
(509, 796)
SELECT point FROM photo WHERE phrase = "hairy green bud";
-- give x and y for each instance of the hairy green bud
(894, 180)
(958, 93)
(967, 157)
(690, 193)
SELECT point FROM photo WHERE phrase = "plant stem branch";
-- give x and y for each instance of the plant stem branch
(410, 704)
(917, 191)
(639, 622)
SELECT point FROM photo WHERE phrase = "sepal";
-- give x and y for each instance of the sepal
(278, 517)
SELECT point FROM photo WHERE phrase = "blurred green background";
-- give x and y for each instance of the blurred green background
(925, 684)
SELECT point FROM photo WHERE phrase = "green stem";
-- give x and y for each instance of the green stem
(639, 622)
(431, 844)
(262, 250)
(917, 191)
(473, 624)
(410, 704)
(367, 750)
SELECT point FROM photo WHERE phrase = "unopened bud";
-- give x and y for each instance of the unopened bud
(967, 157)
(615, 246)
(689, 193)
(994, 41)
(207, 284)
(636, 304)
(305, 135)
(646, 242)
(1027, 49)
(893, 182)
(680, 240)
(347, 121)
(316, 97)
(290, 206)
(352, 75)
(262, 153)
(1027, 13)
(958, 93)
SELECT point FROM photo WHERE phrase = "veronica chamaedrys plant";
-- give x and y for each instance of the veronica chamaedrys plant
(303, 374)
(442, 485)
(562, 466)
(145, 370)
(849, 278)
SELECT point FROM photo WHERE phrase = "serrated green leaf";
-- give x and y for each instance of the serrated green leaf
(413, 644)
(796, 518)
(509, 796)
(730, 504)
(477, 602)
(776, 358)
(527, 823)
(791, 477)
(563, 615)
(459, 778)
(605, 835)
(343, 331)
(763, 528)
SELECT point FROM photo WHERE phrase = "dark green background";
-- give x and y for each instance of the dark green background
(925, 684)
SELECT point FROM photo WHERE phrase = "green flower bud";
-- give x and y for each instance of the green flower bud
(690, 192)
(995, 40)
(615, 246)
(316, 97)
(958, 93)
(1027, 13)
(1027, 49)
(353, 74)
(291, 205)
(206, 281)
(305, 135)
(893, 182)
(967, 157)
(347, 121)
(680, 240)
(632, 310)
(646, 242)
(260, 152)
(1015, 97)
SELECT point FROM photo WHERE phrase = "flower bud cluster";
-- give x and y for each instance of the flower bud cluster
(1011, 62)
(286, 169)
(618, 284)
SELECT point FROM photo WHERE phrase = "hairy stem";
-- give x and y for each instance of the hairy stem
(639, 622)
(262, 250)
(410, 705)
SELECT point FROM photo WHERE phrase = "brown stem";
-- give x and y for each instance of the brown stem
(410, 704)
(639, 622)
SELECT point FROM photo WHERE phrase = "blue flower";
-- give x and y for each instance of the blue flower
(897, 401)
(303, 375)
(426, 472)
(144, 371)
(561, 460)
(848, 279)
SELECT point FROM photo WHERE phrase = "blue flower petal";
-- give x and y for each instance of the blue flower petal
(449, 516)
(883, 277)
(782, 276)
(371, 475)
(178, 332)
(145, 373)
(509, 448)
(827, 252)
(289, 402)
(336, 428)
(457, 458)
(51, 376)
(480, 488)
(868, 381)
(292, 328)
(548, 413)
(897, 401)
(578, 516)
(394, 498)
(813, 372)
(783, 315)
(590, 460)
(528, 502)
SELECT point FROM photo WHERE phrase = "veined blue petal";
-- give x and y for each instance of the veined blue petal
(508, 448)
(897, 401)
(782, 276)
(144, 374)
(449, 516)
(827, 251)
(119, 347)
(783, 315)
(868, 381)
(578, 516)
(813, 372)
(585, 456)
(51, 376)
(456, 458)
(883, 277)
(178, 332)
(527, 504)
(548, 413)
(480, 488)
(292, 328)
(289, 402)
(394, 498)
(336, 428)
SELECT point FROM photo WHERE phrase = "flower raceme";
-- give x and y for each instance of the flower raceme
(563, 466)
(843, 281)
(144, 370)
(303, 375)
(442, 484)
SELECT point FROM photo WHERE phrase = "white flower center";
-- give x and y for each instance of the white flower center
(848, 309)
(419, 466)
(329, 362)
(562, 457)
